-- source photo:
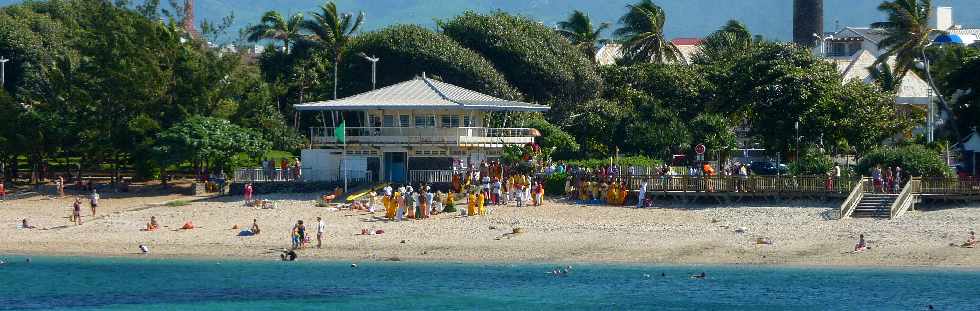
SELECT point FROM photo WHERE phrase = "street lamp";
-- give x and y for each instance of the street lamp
(3, 71)
(374, 68)
(924, 64)
(796, 125)
(823, 42)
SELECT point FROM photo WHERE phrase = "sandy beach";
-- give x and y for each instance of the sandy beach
(555, 232)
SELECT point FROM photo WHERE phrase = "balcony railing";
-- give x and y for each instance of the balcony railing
(320, 136)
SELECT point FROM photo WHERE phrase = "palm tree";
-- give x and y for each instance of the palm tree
(908, 36)
(643, 34)
(578, 29)
(274, 26)
(732, 40)
(333, 31)
(908, 33)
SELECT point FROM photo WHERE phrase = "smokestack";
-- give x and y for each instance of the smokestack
(807, 20)
(188, 22)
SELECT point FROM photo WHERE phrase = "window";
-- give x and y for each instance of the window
(466, 121)
(450, 121)
(374, 121)
(837, 49)
(389, 121)
(425, 121)
(403, 120)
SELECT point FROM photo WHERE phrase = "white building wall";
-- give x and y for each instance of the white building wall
(320, 164)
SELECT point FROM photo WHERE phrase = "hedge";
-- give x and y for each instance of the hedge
(915, 160)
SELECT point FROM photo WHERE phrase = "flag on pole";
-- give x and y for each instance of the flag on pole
(341, 133)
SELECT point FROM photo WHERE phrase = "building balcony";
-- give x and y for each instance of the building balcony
(394, 136)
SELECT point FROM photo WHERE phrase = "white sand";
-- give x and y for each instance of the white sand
(556, 232)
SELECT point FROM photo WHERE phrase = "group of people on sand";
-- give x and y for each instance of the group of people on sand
(76, 207)
(408, 202)
(599, 191)
(298, 234)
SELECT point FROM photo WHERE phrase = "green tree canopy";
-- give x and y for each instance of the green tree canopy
(208, 141)
(408, 50)
(535, 59)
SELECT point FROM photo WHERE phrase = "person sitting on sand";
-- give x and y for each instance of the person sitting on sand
(861, 245)
(25, 225)
(152, 225)
(255, 227)
(972, 241)
(288, 255)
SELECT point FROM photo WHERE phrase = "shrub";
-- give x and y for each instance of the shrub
(812, 162)
(915, 160)
(637, 161)
(554, 184)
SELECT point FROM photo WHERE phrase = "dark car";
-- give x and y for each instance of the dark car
(768, 168)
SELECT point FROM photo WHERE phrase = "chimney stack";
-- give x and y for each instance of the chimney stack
(807, 20)
(941, 18)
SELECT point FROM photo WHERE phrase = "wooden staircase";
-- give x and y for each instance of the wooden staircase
(874, 205)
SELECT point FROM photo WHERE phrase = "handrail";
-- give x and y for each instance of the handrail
(905, 199)
(857, 193)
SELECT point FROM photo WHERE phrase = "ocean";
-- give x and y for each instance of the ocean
(69, 283)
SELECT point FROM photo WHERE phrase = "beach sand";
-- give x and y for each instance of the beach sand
(557, 232)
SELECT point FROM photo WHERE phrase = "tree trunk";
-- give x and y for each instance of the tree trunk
(336, 61)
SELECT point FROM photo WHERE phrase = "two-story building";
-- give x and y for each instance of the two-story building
(417, 130)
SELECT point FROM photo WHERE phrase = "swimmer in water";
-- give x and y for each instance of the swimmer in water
(288, 255)
(699, 276)
(144, 249)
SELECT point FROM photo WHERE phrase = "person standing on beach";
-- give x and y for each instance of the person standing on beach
(641, 197)
(61, 186)
(76, 214)
(3, 191)
(320, 229)
(94, 201)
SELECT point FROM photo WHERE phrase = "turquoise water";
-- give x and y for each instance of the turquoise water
(158, 284)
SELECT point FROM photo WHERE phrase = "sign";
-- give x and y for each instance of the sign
(699, 149)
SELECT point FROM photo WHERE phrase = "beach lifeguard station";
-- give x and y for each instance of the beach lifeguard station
(416, 130)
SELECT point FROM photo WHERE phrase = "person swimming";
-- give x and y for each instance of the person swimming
(701, 276)
(288, 255)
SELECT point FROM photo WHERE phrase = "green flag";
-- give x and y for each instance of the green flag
(341, 133)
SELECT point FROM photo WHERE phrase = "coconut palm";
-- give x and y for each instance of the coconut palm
(732, 40)
(333, 31)
(578, 29)
(274, 26)
(908, 33)
(643, 34)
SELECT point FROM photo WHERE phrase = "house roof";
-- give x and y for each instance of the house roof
(610, 52)
(421, 93)
(686, 41)
(912, 89)
(874, 35)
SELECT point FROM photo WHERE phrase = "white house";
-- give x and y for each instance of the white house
(417, 130)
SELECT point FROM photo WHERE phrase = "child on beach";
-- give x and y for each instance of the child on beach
(970, 242)
(94, 201)
(76, 215)
(152, 225)
(861, 245)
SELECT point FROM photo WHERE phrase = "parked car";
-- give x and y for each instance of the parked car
(768, 168)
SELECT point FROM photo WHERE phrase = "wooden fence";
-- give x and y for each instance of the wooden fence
(731, 184)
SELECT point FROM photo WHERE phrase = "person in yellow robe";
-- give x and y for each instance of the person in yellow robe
(480, 199)
(450, 200)
(624, 191)
(389, 212)
(471, 204)
(614, 193)
(603, 191)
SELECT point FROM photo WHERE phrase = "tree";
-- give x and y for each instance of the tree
(273, 26)
(333, 31)
(908, 33)
(713, 131)
(643, 35)
(965, 82)
(730, 42)
(207, 143)
(554, 141)
(408, 50)
(535, 59)
(579, 30)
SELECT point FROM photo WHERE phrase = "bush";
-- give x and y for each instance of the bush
(535, 58)
(554, 141)
(637, 161)
(408, 50)
(812, 162)
(915, 160)
(554, 184)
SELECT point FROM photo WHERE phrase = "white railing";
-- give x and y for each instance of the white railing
(852, 200)
(256, 175)
(905, 199)
(430, 176)
(434, 135)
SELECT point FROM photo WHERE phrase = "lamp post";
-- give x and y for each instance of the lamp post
(823, 42)
(374, 68)
(924, 65)
(3, 71)
(796, 125)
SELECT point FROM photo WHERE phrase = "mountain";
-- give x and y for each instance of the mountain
(685, 18)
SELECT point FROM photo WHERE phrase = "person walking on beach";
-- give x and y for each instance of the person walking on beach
(641, 197)
(61, 186)
(320, 229)
(76, 214)
(3, 191)
(94, 201)
(248, 193)
(299, 234)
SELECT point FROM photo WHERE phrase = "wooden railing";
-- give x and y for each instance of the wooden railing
(949, 186)
(905, 199)
(755, 184)
(255, 175)
(852, 200)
